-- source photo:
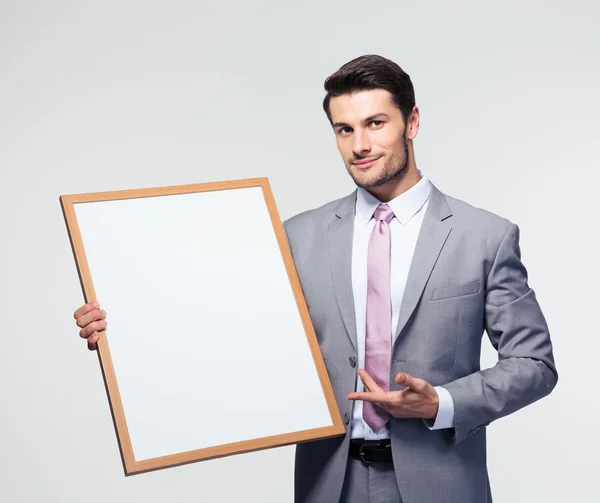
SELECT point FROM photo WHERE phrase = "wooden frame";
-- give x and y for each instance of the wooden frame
(130, 463)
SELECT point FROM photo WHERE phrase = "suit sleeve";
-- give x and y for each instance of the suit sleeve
(517, 329)
(285, 230)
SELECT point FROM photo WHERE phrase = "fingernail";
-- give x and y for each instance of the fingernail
(96, 305)
(102, 312)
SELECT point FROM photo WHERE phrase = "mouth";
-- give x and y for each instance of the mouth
(365, 163)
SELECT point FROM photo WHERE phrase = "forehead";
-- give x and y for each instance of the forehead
(361, 104)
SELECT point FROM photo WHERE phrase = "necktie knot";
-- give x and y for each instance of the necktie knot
(383, 212)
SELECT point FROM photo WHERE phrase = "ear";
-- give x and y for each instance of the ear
(412, 123)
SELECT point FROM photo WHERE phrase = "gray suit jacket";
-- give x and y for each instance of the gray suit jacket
(466, 276)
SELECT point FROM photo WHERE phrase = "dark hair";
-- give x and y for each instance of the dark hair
(371, 72)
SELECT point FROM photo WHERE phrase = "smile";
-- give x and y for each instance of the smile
(365, 163)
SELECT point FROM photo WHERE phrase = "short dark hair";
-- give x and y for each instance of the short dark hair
(371, 72)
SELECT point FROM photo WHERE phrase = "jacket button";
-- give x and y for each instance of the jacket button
(346, 418)
(352, 361)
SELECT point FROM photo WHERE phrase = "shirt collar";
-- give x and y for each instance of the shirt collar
(405, 206)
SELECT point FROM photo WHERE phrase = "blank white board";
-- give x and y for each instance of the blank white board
(209, 348)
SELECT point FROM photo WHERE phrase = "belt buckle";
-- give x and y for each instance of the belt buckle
(361, 454)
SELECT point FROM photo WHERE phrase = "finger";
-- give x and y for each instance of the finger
(88, 330)
(373, 397)
(86, 308)
(86, 319)
(414, 383)
(368, 382)
(92, 341)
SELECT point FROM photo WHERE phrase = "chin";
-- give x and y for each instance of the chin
(367, 179)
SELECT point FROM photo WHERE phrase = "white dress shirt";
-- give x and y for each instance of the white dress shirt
(409, 209)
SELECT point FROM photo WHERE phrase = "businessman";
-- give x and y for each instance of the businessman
(401, 282)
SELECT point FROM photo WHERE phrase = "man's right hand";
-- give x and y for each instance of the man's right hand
(90, 318)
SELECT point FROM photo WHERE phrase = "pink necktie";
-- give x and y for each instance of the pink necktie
(378, 338)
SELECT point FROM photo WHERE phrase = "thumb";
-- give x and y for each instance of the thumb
(417, 385)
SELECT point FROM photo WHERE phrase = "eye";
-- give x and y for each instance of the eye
(377, 124)
(345, 130)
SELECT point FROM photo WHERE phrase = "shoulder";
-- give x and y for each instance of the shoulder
(481, 228)
(477, 219)
(319, 217)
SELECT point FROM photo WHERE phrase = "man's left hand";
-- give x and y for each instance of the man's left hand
(418, 400)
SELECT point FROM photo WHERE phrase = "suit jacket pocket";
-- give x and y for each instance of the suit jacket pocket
(446, 292)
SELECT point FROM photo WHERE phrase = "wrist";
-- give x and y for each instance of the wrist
(436, 406)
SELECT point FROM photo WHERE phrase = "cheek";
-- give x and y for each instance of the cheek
(344, 149)
(389, 141)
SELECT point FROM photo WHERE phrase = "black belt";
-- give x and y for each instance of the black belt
(371, 451)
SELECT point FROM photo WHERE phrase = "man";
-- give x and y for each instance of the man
(401, 281)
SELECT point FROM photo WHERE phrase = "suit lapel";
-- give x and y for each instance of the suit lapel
(340, 236)
(434, 232)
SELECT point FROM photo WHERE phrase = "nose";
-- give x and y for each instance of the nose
(361, 144)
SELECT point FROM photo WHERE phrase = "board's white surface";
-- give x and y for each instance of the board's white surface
(206, 339)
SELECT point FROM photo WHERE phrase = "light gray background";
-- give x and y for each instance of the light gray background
(126, 94)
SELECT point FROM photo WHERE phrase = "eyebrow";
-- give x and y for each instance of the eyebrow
(368, 119)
